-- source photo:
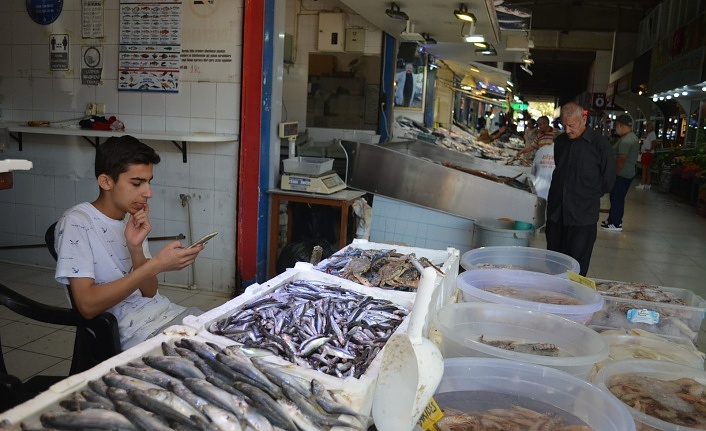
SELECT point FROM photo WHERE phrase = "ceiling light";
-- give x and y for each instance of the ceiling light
(487, 51)
(475, 38)
(395, 12)
(661, 97)
(510, 83)
(669, 97)
(684, 93)
(655, 98)
(480, 44)
(473, 69)
(703, 88)
(463, 14)
(676, 94)
(526, 69)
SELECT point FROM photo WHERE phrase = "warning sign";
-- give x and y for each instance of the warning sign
(59, 51)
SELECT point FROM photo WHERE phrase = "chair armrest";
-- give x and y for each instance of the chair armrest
(38, 311)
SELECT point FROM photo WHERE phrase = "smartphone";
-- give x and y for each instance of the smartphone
(204, 239)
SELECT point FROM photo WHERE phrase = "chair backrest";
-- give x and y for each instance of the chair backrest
(97, 339)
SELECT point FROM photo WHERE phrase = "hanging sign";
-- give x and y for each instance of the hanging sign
(59, 51)
(91, 64)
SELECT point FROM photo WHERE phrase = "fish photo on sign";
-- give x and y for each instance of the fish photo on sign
(512, 17)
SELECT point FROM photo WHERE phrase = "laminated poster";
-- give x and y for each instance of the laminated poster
(150, 46)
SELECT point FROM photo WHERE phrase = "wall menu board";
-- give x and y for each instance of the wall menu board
(150, 45)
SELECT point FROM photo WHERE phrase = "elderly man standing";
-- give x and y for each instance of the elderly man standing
(626, 150)
(585, 170)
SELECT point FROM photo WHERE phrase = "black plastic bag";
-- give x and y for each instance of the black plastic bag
(300, 251)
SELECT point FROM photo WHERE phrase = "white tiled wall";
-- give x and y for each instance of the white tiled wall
(63, 166)
(403, 223)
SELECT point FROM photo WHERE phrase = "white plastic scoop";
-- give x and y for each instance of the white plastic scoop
(412, 367)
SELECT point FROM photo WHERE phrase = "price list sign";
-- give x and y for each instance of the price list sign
(150, 46)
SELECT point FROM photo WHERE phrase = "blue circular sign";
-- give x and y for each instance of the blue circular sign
(44, 11)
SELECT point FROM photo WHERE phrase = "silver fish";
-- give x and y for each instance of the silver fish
(87, 419)
(139, 417)
(147, 374)
(154, 402)
(127, 383)
(221, 418)
(174, 365)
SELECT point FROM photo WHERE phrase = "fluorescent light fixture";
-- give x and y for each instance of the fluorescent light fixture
(487, 51)
(684, 93)
(466, 87)
(676, 94)
(473, 69)
(480, 44)
(526, 69)
(473, 38)
(703, 88)
(395, 13)
(463, 14)
(661, 97)
(655, 98)
(669, 97)
(510, 83)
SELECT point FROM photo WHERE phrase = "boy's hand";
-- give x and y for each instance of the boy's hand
(138, 226)
(174, 256)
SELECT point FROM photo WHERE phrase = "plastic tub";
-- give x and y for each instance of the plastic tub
(499, 232)
(623, 347)
(501, 384)
(531, 290)
(661, 370)
(462, 325)
(525, 258)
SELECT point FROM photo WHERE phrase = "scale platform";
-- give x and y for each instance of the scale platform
(326, 183)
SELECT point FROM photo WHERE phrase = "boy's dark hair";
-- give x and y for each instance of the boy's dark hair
(114, 156)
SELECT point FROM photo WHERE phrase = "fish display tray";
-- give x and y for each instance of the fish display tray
(307, 165)
(357, 392)
(446, 260)
(49, 399)
(673, 320)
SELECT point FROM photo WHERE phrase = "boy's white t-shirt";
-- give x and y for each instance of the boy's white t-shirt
(91, 245)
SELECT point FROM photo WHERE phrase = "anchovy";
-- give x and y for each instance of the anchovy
(247, 369)
(87, 419)
(99, 386)
(140, 418)
(216, 395)
(95, 397)
(309, 409)
(187, 395)
(175, 402)
(76, 405)
(168, 349)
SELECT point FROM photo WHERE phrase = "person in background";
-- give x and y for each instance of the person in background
(102, 246)
(626, 150)
(405, 88)
(485, 136)
(647, 156)
(530, 131)
(585, 170)
(544, 136)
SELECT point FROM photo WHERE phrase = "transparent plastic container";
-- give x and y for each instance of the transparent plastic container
(661, 370)
(531, 290)
(524, 258)
(462, 325)
(521, 384)
(623, 347)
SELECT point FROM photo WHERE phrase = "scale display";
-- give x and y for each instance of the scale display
(325, 184)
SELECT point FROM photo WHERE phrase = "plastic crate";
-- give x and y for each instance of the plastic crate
(672, 320)
(357, 392)
(446, 260)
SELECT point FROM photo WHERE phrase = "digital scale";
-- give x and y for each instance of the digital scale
(307, 174)
(326, 183)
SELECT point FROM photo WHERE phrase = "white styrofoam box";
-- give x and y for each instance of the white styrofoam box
(446, 260)
(357, 393)
(673, 320)
(49, 399)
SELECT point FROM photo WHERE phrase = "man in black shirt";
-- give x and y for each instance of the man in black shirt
(585, 170)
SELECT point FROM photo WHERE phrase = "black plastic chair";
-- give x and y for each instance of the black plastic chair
(97, 339)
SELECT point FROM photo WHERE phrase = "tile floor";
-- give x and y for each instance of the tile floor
(663, 243)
